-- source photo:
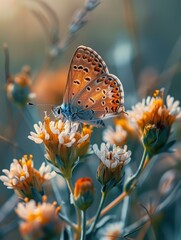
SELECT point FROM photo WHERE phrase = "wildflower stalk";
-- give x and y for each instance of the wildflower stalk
(68, 222)
(83, 229)
(132, 181)
(78, 212)
(129, 186)
(113, 203)
(94, 220)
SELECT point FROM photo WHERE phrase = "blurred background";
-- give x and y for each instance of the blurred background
(139, 40)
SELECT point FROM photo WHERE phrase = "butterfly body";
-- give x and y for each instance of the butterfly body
(92, 93)
(76, 114)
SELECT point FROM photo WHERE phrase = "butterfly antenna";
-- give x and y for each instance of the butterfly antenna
(39, 104)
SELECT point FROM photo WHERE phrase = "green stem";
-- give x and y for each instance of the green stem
(103, 197)
(78, 213)
(132, 181)
(140, 168)
(83, 229)
(66, 220)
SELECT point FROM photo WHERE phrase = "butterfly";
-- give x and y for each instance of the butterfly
(92, 94)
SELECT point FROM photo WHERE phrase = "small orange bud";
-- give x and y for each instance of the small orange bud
(84, 193)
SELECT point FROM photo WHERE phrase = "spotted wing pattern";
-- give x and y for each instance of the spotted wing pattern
(85, 66)
(104, 96)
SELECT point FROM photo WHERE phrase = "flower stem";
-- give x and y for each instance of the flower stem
(141, 167)
(142, 164)
(83, 229)
(78, 213)
(113, 203)
(132, 181)
(103, 197)
(66, 220)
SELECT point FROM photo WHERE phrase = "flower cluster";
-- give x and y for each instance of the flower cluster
(111, 163)
(124, 128)
(64, 143)
(24, 178)
(154, 119)
(39, 220)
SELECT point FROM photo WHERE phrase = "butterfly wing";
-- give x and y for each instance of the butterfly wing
(104, 96)
(85, 66)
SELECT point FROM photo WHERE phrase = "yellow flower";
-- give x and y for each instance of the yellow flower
(154, 119)
(84, 193)
(111, 163)
(40, 221)
(24, 178)
(64, 142)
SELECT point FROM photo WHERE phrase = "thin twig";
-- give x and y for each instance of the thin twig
(6, 65)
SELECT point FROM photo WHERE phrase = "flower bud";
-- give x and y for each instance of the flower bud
(155, 138)
(84, 193)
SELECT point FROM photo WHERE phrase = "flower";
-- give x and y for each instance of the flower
(111, 163)
(154, 119)
(40, 221)
(124, 129)
(19, 88)
(24, 178)
(111, 231)
(84, 193)
(117, 136)
(64, 143)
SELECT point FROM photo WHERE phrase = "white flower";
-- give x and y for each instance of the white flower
(112, 158)
(111, 231)
(37, 218)
(146, 105)
(22, 172)
(173, 107)
(114, 136)
(19, 172)
(24, 210)
(140, 108)
(40, 129)
(45, 172)
(40, 213)
(64, 132)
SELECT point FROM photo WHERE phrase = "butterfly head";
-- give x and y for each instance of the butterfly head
(57, 111)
